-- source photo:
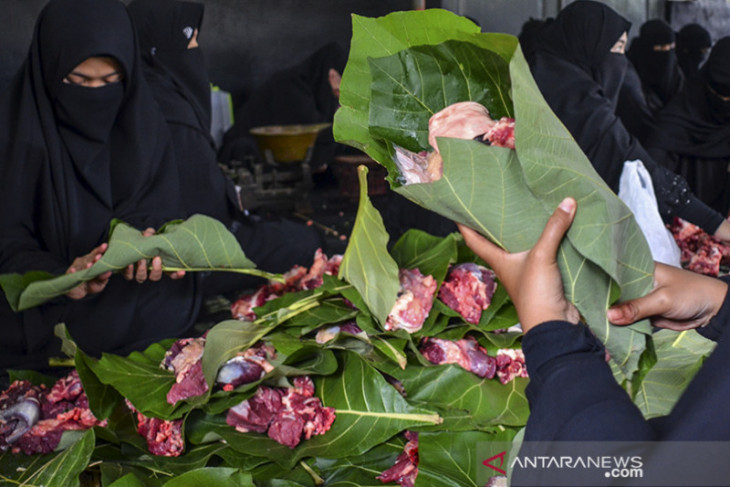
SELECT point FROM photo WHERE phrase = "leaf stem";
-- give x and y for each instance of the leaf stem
(426, 418)
(253, 272)
(317, 479)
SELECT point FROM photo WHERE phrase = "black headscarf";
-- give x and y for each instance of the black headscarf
(693, 43)
(74, 158)
(580, 79)
(698, 122)
(658, 70)
(300, 94)
(179, 82)
(177, 74)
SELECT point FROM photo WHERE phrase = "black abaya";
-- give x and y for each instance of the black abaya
(580, 80)
(74, 158)
(179, 82)
(693, 132)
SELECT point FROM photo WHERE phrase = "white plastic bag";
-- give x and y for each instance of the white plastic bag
(637, 191)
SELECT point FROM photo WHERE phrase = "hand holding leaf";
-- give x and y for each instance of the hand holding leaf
(97, 284)
(681, 300)
(532, 277)
(145, 271)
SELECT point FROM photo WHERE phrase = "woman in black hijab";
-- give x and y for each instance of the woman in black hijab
(652, 78)
(693, 44)
(83, 143)
(302, 94)
(693, 132)
(579, 67)
(174, 66)
(653, 55)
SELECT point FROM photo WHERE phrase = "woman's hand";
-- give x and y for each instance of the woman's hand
(140, 272)
(95, 285)
(681, 300)
(532, 278)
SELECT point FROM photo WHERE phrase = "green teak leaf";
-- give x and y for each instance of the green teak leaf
(411, 86)
(218, 476)
(366, 264)
(200, 243)
(679, 357)
(54, 470)
(430, 255)
(455, 458)
(449, 386)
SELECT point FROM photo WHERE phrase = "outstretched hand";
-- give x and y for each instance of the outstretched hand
(82, 263)
(532, 278)
(681, 300)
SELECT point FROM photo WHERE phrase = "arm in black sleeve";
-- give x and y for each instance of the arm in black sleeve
(572, 392)
(674, 196)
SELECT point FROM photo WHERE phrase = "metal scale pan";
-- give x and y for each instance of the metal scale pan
(284, 178)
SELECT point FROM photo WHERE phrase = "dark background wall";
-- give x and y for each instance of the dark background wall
(247, 40)
(244, 40)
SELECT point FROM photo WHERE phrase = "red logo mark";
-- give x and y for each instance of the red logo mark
(488, 463)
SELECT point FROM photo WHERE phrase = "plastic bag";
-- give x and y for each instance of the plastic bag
(637, 191)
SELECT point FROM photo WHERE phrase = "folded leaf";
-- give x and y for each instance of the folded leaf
(505, 194)
(200, 243)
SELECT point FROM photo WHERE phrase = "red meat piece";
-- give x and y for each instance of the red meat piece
(468, 290)
(467, 353)
(414, 302)
(286, 414)
(256, 413)
(185, 359)
(405, 469)
(502, 133)
(62, 407)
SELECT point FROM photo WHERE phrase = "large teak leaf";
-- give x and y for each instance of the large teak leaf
(200, 243)
(366, 264)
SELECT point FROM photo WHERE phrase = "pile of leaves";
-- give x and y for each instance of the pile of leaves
(456, 413)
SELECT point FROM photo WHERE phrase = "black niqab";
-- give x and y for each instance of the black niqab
(179, 82)
(698, 122)
(63, 180)
(658, 70)
(164, 28)
(572, 67)
(693, 43)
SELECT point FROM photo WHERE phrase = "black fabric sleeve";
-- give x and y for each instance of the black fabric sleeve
(674, 196)
(572, 392)
(715, 328)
